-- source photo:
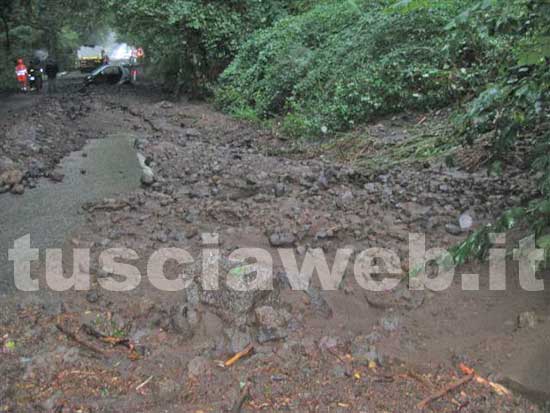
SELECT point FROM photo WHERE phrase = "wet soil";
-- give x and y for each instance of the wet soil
(319, 351)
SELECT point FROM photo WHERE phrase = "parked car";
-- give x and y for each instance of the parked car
(110, 74)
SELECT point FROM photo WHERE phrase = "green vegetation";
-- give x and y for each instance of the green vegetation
(343, 63)
(514, 108)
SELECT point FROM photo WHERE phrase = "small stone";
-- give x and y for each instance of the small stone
(267, 316)
(18, 190)
(273, 324)
(466, 221)
(36, 168)
(191, 217)
(178, 236)
(92, 297)
(266, 335)
(527, 320)
(162, 237)
(147, 177)
(323, 181)
(370, 188)
(166, 105)
(280, 190)
(344, 200)
(57, 176)
(192, 133)
(324, 234)
(282, 240)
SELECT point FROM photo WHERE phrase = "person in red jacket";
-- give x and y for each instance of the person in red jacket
(22, 74)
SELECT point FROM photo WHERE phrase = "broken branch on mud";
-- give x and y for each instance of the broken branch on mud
(449, 388)
(248, 349)
(497, 388)
(114, 341)
(73, 337)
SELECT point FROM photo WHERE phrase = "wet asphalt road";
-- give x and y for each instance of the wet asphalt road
(52, 211)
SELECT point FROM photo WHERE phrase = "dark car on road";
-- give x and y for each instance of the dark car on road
(111, 74)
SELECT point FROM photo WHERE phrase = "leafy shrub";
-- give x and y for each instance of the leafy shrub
(515, 107)
(347, 62)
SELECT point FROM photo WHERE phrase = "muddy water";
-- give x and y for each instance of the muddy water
(104, 168)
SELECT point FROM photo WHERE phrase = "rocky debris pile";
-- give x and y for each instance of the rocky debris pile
(228, 178)
(31, 147)
(211, 180)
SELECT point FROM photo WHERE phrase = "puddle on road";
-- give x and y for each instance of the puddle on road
(51, 211)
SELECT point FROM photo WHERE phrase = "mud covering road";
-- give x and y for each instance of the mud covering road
(73, 180)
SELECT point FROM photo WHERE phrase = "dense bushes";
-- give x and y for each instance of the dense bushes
(347, 62)
(189, 43)
(515, 108)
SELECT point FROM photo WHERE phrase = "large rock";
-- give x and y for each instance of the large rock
(237, 293)
(18, 189)
(11, 177)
